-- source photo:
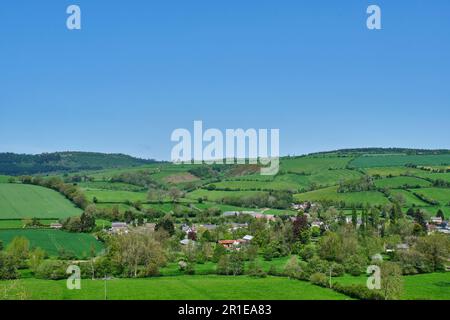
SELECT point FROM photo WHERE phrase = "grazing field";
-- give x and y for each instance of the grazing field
(53, 241)
(115, 186)
(4, 179)
(313, 164)
(368, 161)
(434, 176)
(430, 286)
(180, 288)
(257, 185)
(219, 195)
(27, 201)
(441, 195)
(399, 182)
(350, 198)
(392, 171)
(114, 196)
(410, 199)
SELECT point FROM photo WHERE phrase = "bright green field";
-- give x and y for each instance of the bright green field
(372, 197)
(114, 196)
(393, 171)
(4, 179)
(431, 286)
(181, 288)
(410, 199)
(441, 195)
(398, 182)
(21, 201)
(313, 164)
(400, 160)
(219, 195)
(434, 176)
(53, 240)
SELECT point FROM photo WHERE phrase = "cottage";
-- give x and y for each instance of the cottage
(247, 238)
(230, 244)
(119, 228)
(231, 214)
(209, 227)
(56, 225)
(436, 220)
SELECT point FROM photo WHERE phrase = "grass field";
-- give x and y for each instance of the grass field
(114, 195)
(27, 201)
(180, 288)
(219, 195)
(368, 161)
(410, 199)
(398, 182)
(313, 164)
(52, 241)
(392, 171)
(434, 176)
(431, 286)
(4, 179)
(350, 198)
(441, 195)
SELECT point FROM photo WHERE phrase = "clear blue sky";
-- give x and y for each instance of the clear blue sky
(139, 69)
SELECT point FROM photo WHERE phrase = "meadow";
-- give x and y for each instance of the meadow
(399, 182)
(430, 286)
(20, 223)
(201, 287)
(350, 198)
(313, 164)
(27, 201)
(52, 241)
(438, 194)
(367, 161)
(115, 196)
(410, 199)
(217, 196)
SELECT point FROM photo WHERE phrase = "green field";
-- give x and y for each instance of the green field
(27, 201)
(441, 195)
(430, 286)
(410, 199)
(180, 288)
(114, 196)
(4, 179)
(350, 198)
(380, 160)
(219, 195)
(52, 241)
(313, 164)
(399, 182)
(392, 171)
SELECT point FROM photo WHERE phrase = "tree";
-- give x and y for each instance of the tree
(391, 281)
(354, 217)
(292, 268)
(440, 214)
(166, 223)
(36, 257)
(138, 254)
(300, 225)
(219, 251)
(236, 263)
(175, 194)
(8, 267)
(19, 249)
(435, 248)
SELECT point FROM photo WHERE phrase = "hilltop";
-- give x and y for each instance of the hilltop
(70, 161)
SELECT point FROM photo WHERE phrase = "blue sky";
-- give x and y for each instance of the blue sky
(140, 69)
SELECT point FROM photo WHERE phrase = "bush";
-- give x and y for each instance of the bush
(319, 279)
(51, 270)
(255, 270)
(358, 291)
(8, 267)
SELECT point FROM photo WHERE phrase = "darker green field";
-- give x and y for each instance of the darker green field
(53, 241)
(27, 201)
(368, 161)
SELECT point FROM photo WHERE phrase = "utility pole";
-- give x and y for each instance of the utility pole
(106, 296)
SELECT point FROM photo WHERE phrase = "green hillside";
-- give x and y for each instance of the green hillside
(27, 201)
(53, 241)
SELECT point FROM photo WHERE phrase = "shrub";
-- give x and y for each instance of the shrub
(319, 279)
(51, 270)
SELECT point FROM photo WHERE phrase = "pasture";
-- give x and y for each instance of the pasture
(53, 241)
(399, 182)
(313, 164)
(380, 160)
(350, 198)
(217, 196)
(410, 199)
(430, 286)
(27, 201)
(210, 287)
(114, 196)
(438, 194)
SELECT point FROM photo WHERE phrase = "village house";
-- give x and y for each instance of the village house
(56, 225)
(231, 244)
(119, 228)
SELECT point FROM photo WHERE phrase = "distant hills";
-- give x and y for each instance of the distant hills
(73, 161)
(22, 164)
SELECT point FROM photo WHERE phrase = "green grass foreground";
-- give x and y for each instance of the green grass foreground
(176, 288)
